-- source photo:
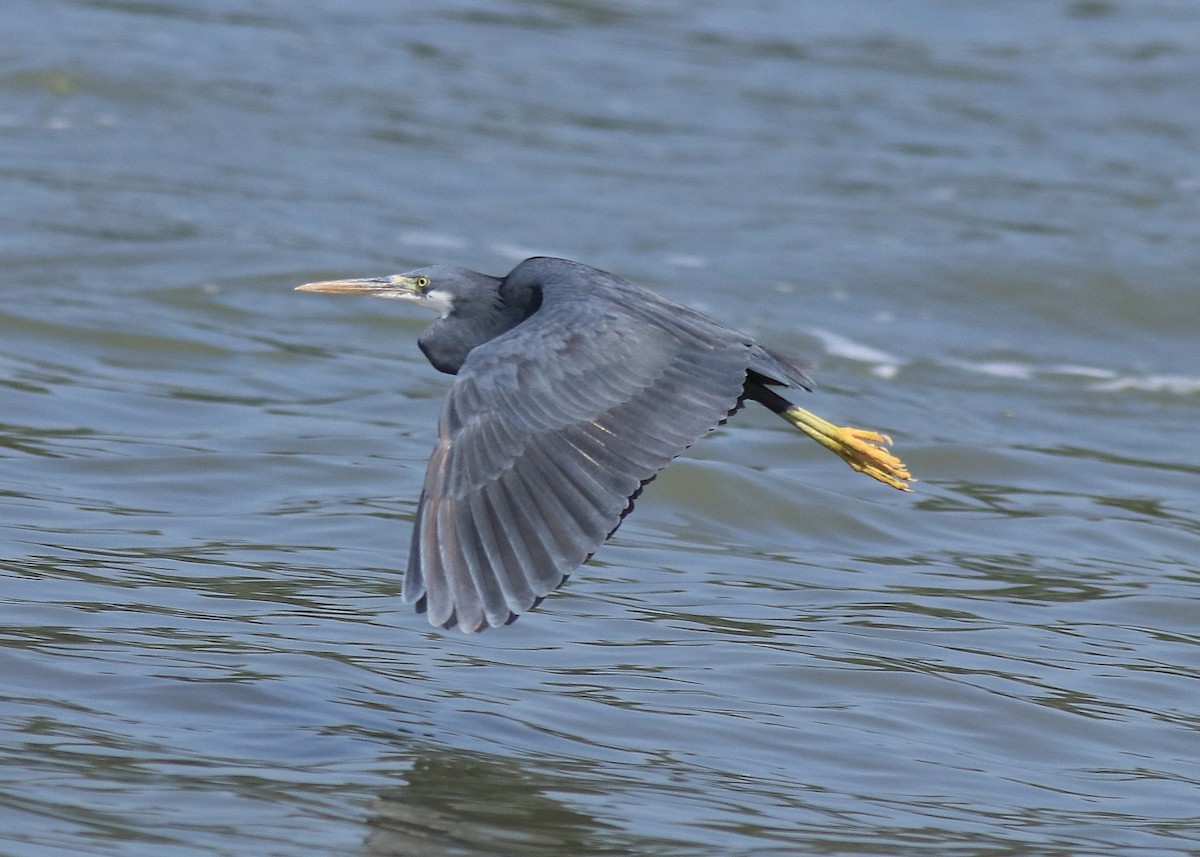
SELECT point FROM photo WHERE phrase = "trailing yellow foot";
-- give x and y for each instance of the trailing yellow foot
(865, 451)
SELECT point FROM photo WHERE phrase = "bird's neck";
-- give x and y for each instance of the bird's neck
(447, 342)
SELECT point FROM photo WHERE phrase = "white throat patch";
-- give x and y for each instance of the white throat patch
(436, 300)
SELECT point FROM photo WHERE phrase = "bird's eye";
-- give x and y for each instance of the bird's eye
(422, 283)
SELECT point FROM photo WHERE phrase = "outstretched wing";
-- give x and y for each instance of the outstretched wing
(546, 437)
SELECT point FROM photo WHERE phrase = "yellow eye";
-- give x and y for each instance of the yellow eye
(422, 283)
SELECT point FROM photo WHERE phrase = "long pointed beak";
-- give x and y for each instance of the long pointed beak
(395, 286)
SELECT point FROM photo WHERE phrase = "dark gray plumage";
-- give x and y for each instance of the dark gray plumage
(574, 389)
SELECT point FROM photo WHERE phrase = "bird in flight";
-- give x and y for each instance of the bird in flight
(573, 388)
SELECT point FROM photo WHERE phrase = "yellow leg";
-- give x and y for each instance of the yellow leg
(863, 450)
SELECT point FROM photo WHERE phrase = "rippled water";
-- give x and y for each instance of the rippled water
(980, 224)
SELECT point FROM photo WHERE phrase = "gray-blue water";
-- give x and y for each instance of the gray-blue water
(980, 222)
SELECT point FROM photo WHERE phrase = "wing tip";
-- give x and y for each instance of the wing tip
(482, 622)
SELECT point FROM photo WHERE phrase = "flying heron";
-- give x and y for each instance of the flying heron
(573, 389)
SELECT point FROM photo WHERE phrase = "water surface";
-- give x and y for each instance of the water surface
(978, 223)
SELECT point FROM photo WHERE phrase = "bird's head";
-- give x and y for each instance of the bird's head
(442, 288)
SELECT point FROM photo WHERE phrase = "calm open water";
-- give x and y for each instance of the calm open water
(981, 222)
